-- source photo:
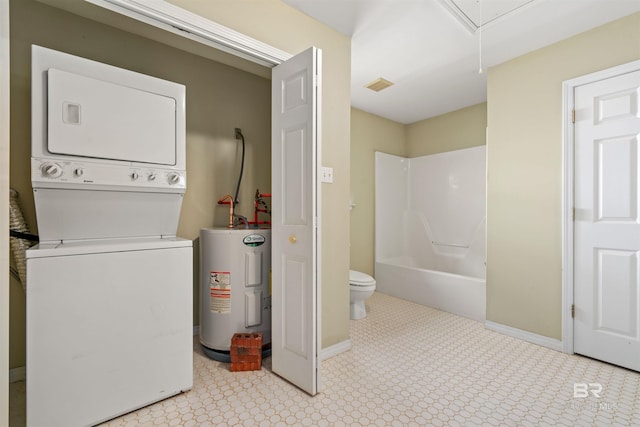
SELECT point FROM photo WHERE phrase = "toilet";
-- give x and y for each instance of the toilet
(361, 287)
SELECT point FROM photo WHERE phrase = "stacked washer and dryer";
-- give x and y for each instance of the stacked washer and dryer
(109, 287)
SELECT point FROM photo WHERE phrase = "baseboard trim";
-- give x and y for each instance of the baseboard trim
(18, 374)
(540, 340)
(335, 349)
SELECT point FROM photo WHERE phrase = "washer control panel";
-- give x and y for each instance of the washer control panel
(77, 174)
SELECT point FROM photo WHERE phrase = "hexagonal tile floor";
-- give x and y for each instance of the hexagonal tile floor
(411, 365)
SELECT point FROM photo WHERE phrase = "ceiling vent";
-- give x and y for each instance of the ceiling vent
(378, 84)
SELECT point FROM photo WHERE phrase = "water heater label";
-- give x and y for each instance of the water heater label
(253, 240)
(220, 292)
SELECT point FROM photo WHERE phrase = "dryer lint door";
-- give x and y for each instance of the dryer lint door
(92, 118)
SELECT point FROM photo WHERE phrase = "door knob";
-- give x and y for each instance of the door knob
(292, 239)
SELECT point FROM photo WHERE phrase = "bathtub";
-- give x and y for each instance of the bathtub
(430, 233)
(455, 293)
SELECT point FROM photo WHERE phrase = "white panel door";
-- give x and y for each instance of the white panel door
(295, 149)
(607, 221)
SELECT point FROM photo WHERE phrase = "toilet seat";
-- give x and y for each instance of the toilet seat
(357, 278)
(361, 287)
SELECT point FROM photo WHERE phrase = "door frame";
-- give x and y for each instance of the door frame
(568, 181)
(4, 215)
(176, 20)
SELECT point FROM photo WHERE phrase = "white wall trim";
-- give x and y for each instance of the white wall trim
(5, 85)
(567, 216)
(17, 374)
(568, 88)
(177, 20)
(540, 340)
(335, 349)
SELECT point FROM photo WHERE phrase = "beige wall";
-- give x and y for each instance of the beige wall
(369, 133)
(459, 129)
(275, 23)
(219, 98)
(524, 192)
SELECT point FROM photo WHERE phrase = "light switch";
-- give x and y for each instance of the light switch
(326, 175)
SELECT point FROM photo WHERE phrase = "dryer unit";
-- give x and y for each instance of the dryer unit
(109, 287)
(107, 151)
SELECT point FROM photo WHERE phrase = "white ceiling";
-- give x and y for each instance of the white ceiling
(433, 56)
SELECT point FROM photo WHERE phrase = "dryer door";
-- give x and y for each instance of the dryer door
(92, 118)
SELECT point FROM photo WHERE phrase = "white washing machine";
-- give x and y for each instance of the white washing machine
(109, 328)
(109, 287)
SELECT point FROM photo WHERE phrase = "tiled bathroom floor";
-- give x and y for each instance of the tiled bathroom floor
(409, 365)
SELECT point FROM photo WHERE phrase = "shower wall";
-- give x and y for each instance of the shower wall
(432, 210)
(391, 204)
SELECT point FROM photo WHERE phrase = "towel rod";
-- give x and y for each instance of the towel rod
(452, 245)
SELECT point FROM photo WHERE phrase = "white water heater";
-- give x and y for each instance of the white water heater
(235, 287)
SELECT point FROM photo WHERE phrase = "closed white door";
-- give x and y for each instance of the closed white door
(295, 148)
(607, 221)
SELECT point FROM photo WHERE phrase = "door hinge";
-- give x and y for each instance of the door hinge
(573, 115)
(573, 311)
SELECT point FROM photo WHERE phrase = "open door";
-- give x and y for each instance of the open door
(295, 267)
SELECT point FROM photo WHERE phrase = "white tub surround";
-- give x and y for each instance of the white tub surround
(431, 229)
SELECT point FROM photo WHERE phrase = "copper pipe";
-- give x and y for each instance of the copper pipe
(221, 201)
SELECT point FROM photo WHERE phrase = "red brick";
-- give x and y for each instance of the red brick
(246, 352)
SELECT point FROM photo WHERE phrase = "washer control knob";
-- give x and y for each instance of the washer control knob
(173, 178)
(151, 176)
(134, 175)
(51, 170)
(78, 172)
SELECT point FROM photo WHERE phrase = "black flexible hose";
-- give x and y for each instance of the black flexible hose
(23, 236)
(235, 198)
